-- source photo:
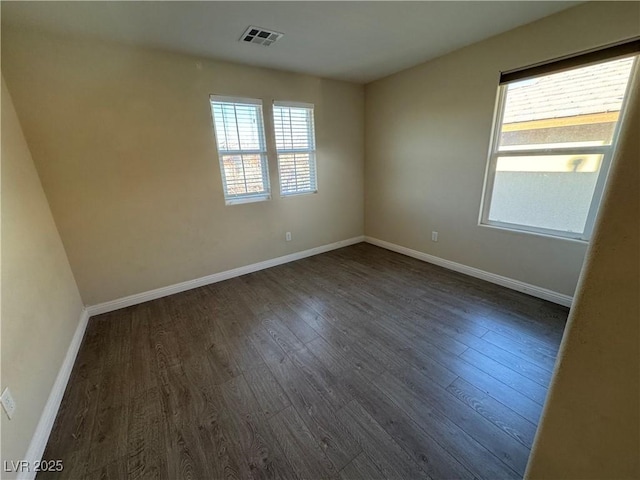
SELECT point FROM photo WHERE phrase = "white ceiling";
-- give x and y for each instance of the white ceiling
(357, 41)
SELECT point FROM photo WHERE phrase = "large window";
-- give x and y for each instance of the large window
(553, 142)
(242, 151)
(295, 144)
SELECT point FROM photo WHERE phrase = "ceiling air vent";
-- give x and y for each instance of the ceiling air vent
(260, 35)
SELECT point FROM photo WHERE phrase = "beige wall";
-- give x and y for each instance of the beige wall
(427, 139)
(122, 138)
(590, 427)
(40, 302)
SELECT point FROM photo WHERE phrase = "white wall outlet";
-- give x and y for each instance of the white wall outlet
(8, 403)
(288, 236)
(434, 236)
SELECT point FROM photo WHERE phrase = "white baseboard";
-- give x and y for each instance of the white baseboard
(517, 285)
(214, 278)
(48, 416)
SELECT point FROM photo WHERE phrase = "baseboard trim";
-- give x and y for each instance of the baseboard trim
(48, 416)
(214, 278)
(517, 285)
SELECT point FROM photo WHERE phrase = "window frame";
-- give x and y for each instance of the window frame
(310, 151)
(264, 195)
(607, 152)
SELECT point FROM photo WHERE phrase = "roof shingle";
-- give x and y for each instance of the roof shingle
(581, 91)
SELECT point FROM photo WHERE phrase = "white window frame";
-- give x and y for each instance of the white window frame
(262, 152)
(311, 151)
(607, 152)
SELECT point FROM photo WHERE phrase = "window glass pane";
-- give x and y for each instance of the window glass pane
(293, 128)
(244, 174)
(548, 191)
(575, 108)
(238, 127)
(297, 173)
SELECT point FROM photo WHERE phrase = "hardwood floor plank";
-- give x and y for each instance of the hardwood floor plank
(485, 433)
(114, 385)
(165, 347)
(513, 424)
(504, 386)
(295, 323)
(154, 468)
(527, 369)
(114, 470)
(388, 457)
(88, 363)
(116, 333)
(284, 337)
(242, 353)
(452, 308)
(523, 337)
(267, 347)
(424, 449)
(109, 436)
(219, 434)
(361, 468)
(507, 375)
(142, 373)
(414, 399)
(239, 319)
(185, 456)
(299, 446)
(183, 402)
(269, 394)
(325, 380)
(347, 359)
(318, 414)
(146, 435)
(264, 290)
(539, 355)
(254, 446)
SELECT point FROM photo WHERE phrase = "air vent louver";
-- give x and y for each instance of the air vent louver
(260, 35)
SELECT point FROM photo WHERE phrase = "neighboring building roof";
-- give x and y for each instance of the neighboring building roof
(582, 91)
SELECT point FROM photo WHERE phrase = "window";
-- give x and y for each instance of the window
(554, 137)
(242, 150)
(296, 147)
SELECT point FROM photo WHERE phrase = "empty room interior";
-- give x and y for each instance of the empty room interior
(310, 240)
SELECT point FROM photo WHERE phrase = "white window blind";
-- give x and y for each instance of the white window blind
(296, 147)
(242, 151)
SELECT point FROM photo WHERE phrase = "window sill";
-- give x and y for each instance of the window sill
(298, 194)
(532, 232)
(243, 200)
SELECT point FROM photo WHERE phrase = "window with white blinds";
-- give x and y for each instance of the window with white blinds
(296, 147)
(242, 151)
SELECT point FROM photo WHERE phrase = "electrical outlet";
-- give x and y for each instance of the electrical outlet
(434, 236)
(288, 236)
(8, 403)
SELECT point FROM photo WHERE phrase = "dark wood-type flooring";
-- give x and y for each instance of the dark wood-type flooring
(357, 363)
